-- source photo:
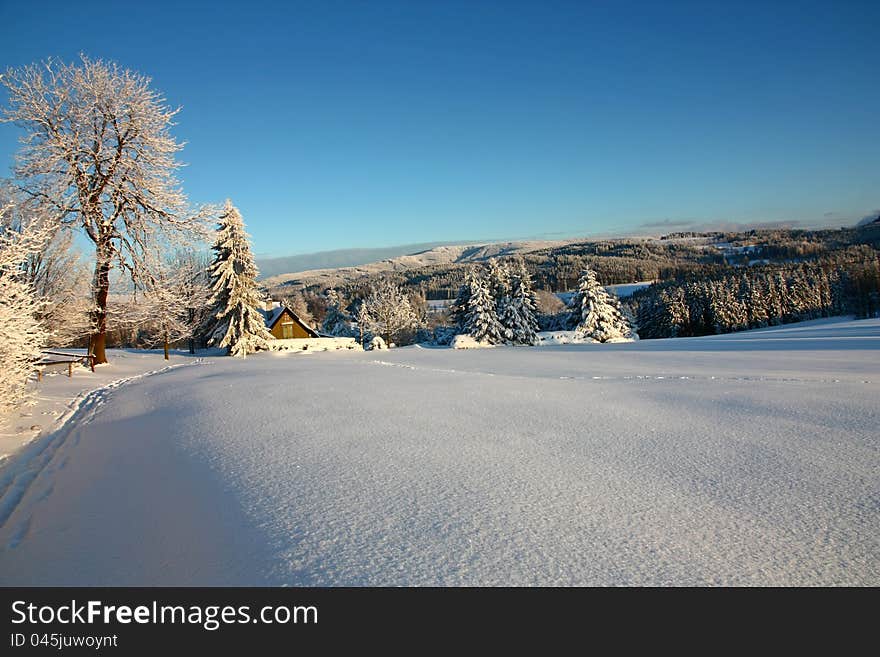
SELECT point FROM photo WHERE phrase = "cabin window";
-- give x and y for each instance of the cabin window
(286, 330)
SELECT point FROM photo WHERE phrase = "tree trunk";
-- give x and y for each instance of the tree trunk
(191, 320)
(166, 345)
(99, 314)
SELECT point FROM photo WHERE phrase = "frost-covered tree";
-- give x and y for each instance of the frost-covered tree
(55, 272)
(499, 278)
(516, 310)
(387, 312)
(498, 281)
(297, 303)
(481, 320)
(459, 308)
(236, 322)
(61, 279)
(191, 271)
(759, 296)
(21, 333)
(98, 153)
(337, 322)
(168, 311)
(596, 313)
(662, 315)
(751, 296)
(176, 300)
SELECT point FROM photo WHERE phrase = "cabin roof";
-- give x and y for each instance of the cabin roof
(272, 316)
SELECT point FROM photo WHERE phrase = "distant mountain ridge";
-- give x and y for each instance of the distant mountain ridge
(321, 269)
(435, 255)
(272, 267)
(872, 219)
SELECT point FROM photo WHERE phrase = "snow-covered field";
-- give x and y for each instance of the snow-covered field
(751, 458)
(56, 398)
(627, 289)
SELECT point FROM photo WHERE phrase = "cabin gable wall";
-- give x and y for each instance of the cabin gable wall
(287, 323)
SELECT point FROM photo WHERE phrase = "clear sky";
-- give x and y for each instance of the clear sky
(363, 124)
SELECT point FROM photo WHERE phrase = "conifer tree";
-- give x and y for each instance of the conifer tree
(516, 311)
(236, 321)
(481, 321)
(459, 309)
(597, 314)
(499, 279)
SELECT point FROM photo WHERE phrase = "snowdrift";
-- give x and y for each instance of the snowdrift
(465, 341)
(314, 344)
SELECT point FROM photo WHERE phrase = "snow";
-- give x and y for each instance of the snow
(742, 459)
(625, 290)
(438, 305)
(554, 338)
(465, 341)
(271, 314)
(313, 344)
(377, 343)
(57, 398)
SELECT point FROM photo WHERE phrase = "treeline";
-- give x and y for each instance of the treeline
(558, 268)
(561, 273)
(846, 282)
(790, 244)
(699, 278)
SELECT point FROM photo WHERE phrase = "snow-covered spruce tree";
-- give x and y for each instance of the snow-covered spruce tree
(387, 312)
(459, 309)
(663, 314)
(597, 314)
(236, 322)
(499, 277)
(516, 310)
(21, 333)
(752, 299)
(336, 322)
(99, 154)
(481, 320)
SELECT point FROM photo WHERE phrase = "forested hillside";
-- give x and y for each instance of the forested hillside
(705, 283)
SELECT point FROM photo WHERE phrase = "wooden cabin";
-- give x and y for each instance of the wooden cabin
(284, 324)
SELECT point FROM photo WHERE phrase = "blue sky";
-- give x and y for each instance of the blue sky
(365, 124)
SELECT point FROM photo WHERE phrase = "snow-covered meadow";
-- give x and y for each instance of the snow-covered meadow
(58, 397)
(748, 458)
